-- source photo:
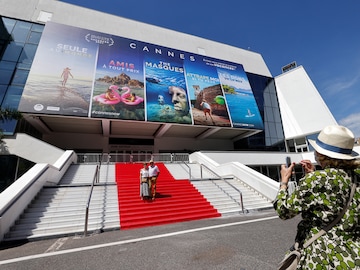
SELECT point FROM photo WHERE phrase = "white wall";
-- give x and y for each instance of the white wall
(303, 111)
(15, 199)
(64, 13)
(32, 149)
(258, 158)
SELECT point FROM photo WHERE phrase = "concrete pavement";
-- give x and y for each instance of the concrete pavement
(246, 242)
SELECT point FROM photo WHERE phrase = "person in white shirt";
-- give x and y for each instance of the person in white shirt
(153, 175)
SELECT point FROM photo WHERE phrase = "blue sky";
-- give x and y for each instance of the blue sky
(322, 36)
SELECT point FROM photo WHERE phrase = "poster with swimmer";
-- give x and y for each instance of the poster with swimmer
(239, 97)
(166, 92)
(80, 72)
(119, 82)
(61, 77)
(208, 104)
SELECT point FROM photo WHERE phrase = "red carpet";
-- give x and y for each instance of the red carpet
(176, 200)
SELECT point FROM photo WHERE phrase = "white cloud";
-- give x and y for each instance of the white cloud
(352, 122)
(341, 84)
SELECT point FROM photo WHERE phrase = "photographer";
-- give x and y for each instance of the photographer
(320, 197)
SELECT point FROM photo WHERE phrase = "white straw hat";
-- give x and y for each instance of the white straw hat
(335, 142)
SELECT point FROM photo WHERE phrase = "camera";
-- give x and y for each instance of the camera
(288, 162)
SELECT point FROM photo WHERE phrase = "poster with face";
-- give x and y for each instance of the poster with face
(80, 72)
(166, 91)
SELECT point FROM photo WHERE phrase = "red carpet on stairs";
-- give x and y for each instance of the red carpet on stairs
(176, 200)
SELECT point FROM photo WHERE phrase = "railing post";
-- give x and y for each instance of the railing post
(95, 179)
(189, 170)
(86, 220)
(242, 203)
(220, 177)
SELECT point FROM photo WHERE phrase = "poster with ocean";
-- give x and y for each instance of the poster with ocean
(79, 72)
(166, 92)
(239, 97)
(61, 78)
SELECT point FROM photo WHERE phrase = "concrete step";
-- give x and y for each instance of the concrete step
(221, 195)
(61, 210)
(51, 232)
(59, 221)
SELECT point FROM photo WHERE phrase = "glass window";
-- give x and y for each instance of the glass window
(18, 44)
(21, 31)
(8, 24)
(37, 28)
(20, 76)
(4, 35)
(23, 66)
(34, 37)
(28, 53)
(12, 51)
(12, 97)
(2, 92)
(6, 71)
(8, 127)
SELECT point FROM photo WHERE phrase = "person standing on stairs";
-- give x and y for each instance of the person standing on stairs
(144, 182)
(153, 175)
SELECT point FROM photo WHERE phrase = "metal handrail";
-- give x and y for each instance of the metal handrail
(92, 158)
(188, 168)
(221, 178)
(95, 180)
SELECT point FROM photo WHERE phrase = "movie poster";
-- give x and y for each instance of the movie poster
(79, 72)
(208, 104)
(119, 82)
(166, 92)
(239, 97)
(61, 77)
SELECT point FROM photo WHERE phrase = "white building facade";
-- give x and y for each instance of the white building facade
(279, 112)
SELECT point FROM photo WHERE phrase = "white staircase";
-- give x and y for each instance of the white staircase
(226, 199)
(221, 193)
(61, 210)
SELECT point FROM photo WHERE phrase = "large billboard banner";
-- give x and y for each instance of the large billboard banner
(166, 92)
(119, 82)
(80, 72)
(62, 74)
